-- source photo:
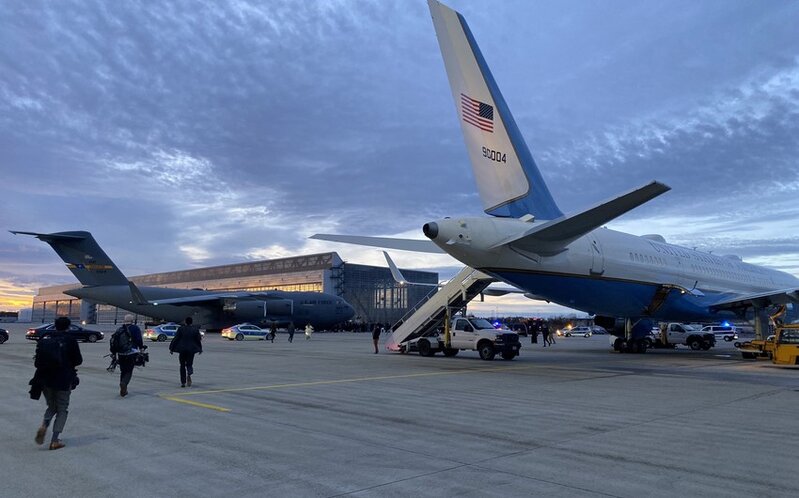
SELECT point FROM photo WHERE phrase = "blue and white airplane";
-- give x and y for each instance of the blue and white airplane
(571, 259)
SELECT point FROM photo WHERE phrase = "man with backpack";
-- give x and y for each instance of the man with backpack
(187, 342)
(126, 343)
(56, 358)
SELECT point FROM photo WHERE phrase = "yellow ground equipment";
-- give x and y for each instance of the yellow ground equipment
(782, 347)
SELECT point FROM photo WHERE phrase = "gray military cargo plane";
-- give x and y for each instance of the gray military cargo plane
(104, 283)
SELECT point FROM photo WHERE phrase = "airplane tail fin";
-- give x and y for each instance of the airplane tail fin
(508, 179)
(83, 256)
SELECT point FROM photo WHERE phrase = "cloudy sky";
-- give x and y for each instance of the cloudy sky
(186, 133)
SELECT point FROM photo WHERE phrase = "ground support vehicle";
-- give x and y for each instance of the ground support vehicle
(674, 334)
(727, 333)
(575, 331)
(470, 334)
(782, 347)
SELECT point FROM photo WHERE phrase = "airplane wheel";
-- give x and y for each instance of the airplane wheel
(239, 337)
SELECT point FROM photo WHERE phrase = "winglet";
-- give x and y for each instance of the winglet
(399, 278)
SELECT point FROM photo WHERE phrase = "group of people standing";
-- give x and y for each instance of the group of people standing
(536, 326)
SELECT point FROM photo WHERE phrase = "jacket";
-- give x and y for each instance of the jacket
(61, 378)
(187, 340)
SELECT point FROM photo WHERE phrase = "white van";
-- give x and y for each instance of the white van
(726, 332)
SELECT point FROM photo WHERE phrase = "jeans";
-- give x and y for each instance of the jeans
(186, 365)
(126, 364)
(58, 406)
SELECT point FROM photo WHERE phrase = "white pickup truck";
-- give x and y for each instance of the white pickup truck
(673, 334)
(470, 334)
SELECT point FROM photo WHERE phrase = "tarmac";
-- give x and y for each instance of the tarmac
(328, 417)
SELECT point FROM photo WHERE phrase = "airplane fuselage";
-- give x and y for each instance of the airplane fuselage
(608, 272)
(319, 309)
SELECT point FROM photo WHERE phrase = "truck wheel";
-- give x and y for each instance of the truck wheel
(727, 338)
(706, 346)
(486, 350)
(449, 352)
(737, 344)
(695, 343)
(424, 348)
(508, 356)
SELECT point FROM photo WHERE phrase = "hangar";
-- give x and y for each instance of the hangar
(371, 290)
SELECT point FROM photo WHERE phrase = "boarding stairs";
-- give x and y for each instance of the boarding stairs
(427, 316)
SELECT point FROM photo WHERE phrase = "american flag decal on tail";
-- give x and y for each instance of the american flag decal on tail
(477, 113)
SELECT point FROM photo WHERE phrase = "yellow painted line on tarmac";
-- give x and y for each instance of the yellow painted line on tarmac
(196, 403)
(344, 381)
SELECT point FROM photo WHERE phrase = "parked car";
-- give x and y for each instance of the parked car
(245, 332)
(576, 331)
(598, 330)
(3, 335)
(76, 331)
(726, 332)
(161, 332)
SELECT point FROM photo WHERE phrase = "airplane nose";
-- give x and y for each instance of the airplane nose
(430, 230)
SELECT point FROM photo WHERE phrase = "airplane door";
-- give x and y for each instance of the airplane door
(597, 258)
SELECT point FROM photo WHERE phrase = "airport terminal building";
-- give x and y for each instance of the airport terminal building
(371, 290)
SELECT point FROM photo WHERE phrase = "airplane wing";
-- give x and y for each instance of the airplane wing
(554, 235)
(414, 245)
(205, 298)
(761, 299)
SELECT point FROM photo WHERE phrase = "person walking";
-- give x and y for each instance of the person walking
(550, 335)
(273, 331)
(545, 335)
(56, 358)
(308, 331)
(376, 335)
(187, 342)
(291, 331)
(127, 341)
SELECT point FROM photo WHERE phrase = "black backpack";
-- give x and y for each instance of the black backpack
(50, 354)
(121, 340)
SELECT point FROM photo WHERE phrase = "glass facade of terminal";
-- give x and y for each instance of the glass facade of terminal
(371, 290)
